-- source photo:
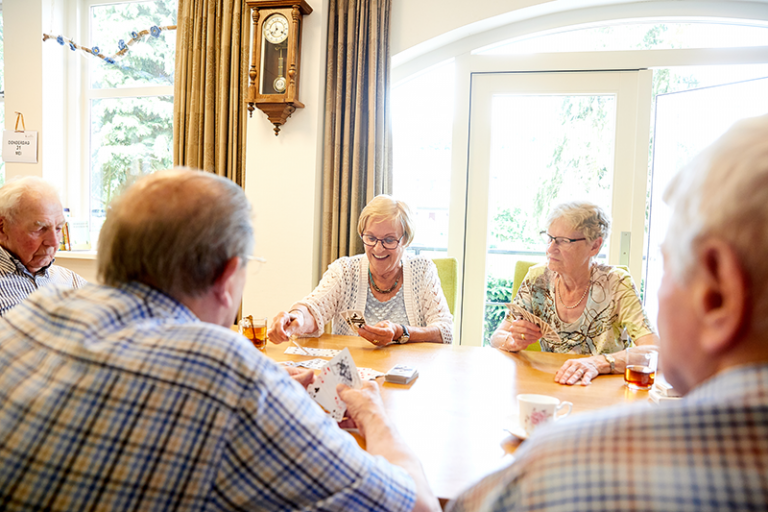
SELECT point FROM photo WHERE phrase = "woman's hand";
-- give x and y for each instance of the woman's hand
(284, 325)
(383, 333)
(580, 371)
(520, 334)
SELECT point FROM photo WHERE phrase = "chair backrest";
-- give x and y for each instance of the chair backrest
(447, 270)
(521, 268)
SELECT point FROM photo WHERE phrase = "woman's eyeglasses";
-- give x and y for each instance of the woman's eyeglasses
(387, 243)
(559, 240)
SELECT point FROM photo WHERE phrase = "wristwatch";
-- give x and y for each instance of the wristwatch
(405, 337)
(611, 361)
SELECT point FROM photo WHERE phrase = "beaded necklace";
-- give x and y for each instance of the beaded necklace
(373, 283)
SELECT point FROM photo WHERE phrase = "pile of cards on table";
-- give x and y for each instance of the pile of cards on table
(339, 370)
(401, 374)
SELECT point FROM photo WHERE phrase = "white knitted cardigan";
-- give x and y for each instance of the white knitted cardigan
(344, 286)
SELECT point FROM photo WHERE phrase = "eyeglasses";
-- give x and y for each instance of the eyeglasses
(387, 243)
(559, 240)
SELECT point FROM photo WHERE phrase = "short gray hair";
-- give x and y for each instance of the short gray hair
(175, 230)
(583, 216)
(723, 192)
(384, 207)
(32, 187)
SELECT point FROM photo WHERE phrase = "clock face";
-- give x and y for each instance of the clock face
(279, 84)
(276, 29)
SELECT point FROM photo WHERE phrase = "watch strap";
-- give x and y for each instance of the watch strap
(611, 361)
(405, 336)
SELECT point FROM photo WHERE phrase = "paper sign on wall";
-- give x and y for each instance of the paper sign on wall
(20, 146)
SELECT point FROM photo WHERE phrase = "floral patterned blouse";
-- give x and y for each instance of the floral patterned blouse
(612, 318)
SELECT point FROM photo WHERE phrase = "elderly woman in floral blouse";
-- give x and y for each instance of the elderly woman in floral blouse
(592, 307)
(399, 294)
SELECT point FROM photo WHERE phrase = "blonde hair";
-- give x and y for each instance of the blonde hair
(384, 207)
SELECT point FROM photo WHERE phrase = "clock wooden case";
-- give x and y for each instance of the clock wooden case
(273, 85)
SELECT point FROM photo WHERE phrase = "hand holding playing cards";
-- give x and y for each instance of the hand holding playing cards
(521, 334)
(380, 334)
(291, 323)
(302, 376)
(362, 404)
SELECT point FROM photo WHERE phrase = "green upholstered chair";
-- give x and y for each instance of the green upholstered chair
(447, 270)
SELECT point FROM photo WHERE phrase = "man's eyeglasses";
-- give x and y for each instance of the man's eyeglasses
(387, 243)
(559, 240)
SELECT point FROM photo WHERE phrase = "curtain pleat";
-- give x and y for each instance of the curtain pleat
(357, 163)
(209, 118)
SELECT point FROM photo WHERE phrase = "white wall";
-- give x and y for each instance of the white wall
(283, 182)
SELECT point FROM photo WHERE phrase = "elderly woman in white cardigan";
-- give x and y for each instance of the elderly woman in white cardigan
(399, 294)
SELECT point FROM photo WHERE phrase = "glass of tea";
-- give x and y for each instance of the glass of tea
(255, 329)
(642, 363)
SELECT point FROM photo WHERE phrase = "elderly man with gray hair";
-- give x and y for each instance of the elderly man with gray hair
(136, 395)
(31, 219)
(708, 451)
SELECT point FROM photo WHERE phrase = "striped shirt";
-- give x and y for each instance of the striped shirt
(16, 282)
(121, 399)
(706, 452)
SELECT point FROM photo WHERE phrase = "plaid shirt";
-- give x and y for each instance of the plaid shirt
(121, 399)
(706, 452)
(16, 282)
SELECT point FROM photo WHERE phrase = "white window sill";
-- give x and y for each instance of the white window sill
(75, 255)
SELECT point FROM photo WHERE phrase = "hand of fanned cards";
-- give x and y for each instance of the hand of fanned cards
(354, 318)
(548, 332)
(339, 370)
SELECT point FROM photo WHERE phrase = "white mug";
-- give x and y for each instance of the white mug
(536, 410)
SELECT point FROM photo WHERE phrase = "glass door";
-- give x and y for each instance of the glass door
(686, 123)
(538, 139)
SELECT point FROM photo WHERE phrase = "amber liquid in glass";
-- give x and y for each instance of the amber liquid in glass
(258, 336)
(639, 377)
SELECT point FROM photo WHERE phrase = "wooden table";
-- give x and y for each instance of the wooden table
(454, 415)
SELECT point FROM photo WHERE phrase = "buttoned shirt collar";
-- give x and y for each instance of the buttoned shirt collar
(10, 263)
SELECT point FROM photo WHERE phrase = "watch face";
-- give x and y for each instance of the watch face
(276, 29)
(279, 84)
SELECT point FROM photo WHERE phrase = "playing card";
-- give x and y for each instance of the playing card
(368, 373)
(354, 318)
(317, 352)
(548, 333)
(312, 364)
(340, 369)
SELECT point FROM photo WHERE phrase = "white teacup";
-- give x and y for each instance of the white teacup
(536, 410)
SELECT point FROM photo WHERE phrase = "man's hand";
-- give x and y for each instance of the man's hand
(363, 404)
(302, 376)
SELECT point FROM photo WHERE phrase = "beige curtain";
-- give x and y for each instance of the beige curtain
(209, 113)
(357, 157)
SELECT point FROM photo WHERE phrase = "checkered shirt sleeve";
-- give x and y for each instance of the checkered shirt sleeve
(117, 399)
(708, 452)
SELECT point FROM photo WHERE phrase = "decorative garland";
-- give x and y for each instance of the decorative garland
(122, 46)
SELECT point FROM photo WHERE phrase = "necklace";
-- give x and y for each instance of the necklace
(373, 283)
(586, 289)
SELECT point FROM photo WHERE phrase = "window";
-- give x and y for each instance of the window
(490, 218)
(128, 108)
(2, 90)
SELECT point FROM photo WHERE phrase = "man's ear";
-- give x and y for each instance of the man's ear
(224, 286)
(3, 229)
(722, 296)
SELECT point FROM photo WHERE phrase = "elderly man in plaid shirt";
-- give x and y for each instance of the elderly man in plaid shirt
(708, 451)
(31, 220)
(134, 395)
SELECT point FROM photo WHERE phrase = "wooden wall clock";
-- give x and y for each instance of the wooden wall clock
(273, 85)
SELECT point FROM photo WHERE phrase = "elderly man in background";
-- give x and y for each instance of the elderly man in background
(708, 451)
(135, 394)
(31, 220)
